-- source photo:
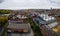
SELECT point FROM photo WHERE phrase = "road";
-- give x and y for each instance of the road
(21, 34)
(1, 29)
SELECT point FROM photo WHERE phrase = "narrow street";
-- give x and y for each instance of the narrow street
(21, 34)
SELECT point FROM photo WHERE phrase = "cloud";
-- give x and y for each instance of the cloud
(26, 4)
(58, 1)
(1, 1)
(55, 2)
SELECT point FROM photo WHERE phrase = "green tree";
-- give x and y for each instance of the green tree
(5, 11)
(3, 19)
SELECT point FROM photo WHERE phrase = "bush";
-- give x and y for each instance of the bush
(3, 19)
(5, 11)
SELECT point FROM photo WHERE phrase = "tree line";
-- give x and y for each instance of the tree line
(5, 11)
(3, 20)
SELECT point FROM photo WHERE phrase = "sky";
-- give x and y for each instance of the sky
(29, 4)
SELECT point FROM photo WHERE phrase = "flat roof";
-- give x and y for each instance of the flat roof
(53, 24)
(19, 26)
(40, 21)
(46, 17)
(56, 28)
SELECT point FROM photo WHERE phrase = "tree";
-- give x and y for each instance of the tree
(5, 11)
(3, 19)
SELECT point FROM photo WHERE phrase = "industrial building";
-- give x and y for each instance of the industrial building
(48, 24)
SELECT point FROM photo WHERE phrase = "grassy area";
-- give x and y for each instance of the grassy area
(5, 29)
(35, 27)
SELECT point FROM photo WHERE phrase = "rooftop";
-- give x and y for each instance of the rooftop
(46, 17)
(56, 28)
(53, 24)
(18, 26)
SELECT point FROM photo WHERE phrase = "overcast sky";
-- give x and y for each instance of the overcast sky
(29, 4)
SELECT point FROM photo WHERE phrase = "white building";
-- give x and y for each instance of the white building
(21, 16)
(46, 17)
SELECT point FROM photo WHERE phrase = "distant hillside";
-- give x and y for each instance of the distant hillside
(55, 11)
